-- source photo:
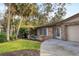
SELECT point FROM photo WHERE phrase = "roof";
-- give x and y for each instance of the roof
(70, 18)
(60, 22)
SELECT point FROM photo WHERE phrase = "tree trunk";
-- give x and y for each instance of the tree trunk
(12, 27)
(8, 25)
(19, 27)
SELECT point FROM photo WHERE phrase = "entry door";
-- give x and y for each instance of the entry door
(58, 32)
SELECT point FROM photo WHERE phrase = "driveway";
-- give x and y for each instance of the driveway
(53, 47)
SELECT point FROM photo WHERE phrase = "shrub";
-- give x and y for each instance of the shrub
(13, 37)
(2, 37)
(23, 32)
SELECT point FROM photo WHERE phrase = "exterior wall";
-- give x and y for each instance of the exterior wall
(55, 32)
(49, 34)
(38, 32)
(64, 31)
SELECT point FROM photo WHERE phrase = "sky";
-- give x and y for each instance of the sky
(2, 7)
(71, 9)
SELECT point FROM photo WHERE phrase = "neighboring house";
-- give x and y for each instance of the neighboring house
(67, 29)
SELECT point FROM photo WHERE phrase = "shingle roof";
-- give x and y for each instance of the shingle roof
(60, 22)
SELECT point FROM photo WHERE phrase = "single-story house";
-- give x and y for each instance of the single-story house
(67, 29)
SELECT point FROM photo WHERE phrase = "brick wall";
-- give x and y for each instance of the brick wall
(50, 32)
(63, 32)
(46, 37)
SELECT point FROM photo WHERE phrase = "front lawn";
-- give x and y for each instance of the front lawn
(19, 45)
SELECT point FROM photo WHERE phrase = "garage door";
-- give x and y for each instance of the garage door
(73, 33)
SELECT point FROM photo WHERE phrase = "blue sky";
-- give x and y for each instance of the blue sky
(71, 9)
(2, 7)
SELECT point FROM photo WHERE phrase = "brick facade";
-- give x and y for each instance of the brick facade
(46, 37)
(74, 20)
(50, 32)
(63, 32)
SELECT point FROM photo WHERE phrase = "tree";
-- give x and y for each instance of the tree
(48, 12)
(9, 14)
(60, 12)
(37, 14)
(46, 9)
(25, 10)
(8, 23)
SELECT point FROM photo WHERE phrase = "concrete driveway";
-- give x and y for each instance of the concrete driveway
(53, 47)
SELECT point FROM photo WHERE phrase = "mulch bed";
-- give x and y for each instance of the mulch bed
(22, 53)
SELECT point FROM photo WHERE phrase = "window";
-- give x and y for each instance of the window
(40, 31)
(43, 31)
(57, 31)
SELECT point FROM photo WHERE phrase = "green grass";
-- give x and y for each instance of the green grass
(19, 45)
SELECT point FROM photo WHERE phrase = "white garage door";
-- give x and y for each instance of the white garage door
(73, 33)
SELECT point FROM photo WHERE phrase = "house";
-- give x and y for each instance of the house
(67, 29)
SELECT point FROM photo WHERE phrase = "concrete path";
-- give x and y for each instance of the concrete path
(53, 47)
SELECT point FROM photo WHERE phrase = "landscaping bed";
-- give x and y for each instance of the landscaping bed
(22, 53)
